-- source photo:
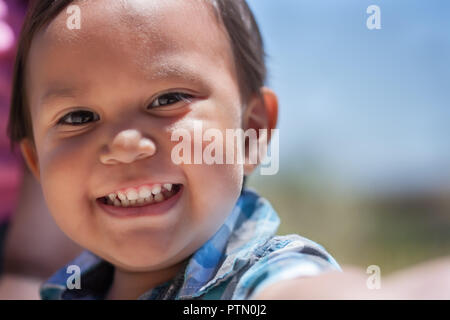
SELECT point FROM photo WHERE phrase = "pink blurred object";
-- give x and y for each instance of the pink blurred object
(12, 13)
(6, 32)
(6, 37)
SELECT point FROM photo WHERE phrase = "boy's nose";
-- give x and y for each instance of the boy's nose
(128, 146)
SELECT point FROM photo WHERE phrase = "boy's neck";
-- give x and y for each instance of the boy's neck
(131, 285)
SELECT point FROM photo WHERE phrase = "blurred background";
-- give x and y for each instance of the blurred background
(364, 127)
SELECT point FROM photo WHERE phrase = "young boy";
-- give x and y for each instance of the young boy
(96, 104)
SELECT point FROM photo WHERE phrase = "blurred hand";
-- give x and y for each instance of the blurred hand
(429, 280)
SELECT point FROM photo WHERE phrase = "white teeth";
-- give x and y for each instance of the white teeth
(144, 192)
(156, 189)
(144, 195)
(122, 196)
(159, 197)
(112, 196)
(132, 194)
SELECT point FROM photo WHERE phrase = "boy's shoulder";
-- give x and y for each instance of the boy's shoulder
(250, 270)
(253, 255)
(242, 257)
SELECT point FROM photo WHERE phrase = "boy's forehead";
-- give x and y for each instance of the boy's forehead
(145, 20)
(138, 33)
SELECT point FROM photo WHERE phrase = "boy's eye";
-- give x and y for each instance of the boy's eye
(81, 117)
(170, 98)
(77, 118)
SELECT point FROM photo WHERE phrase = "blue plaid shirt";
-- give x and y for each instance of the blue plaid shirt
(242, 258)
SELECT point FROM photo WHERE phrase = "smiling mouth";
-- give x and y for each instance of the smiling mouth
(142, 198)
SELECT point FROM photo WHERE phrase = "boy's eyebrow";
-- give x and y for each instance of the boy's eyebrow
(163, 71)
(58, 92)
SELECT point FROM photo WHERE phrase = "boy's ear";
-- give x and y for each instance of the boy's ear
(261, 113)
(29, 154)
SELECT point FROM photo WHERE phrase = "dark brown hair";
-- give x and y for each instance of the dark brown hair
(235, 15)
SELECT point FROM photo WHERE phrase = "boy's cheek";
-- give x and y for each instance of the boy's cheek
(65, 176)
(214, 190)
(213, 185)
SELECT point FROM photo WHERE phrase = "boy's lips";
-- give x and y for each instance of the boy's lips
(153, 208)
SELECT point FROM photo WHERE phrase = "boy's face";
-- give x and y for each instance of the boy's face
(125, 55)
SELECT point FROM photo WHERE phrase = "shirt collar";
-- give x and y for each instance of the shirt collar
(251, 222)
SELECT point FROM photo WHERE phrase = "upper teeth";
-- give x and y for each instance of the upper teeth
(156, 189)
(143, 192)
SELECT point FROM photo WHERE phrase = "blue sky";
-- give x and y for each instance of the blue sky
(371, 106)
